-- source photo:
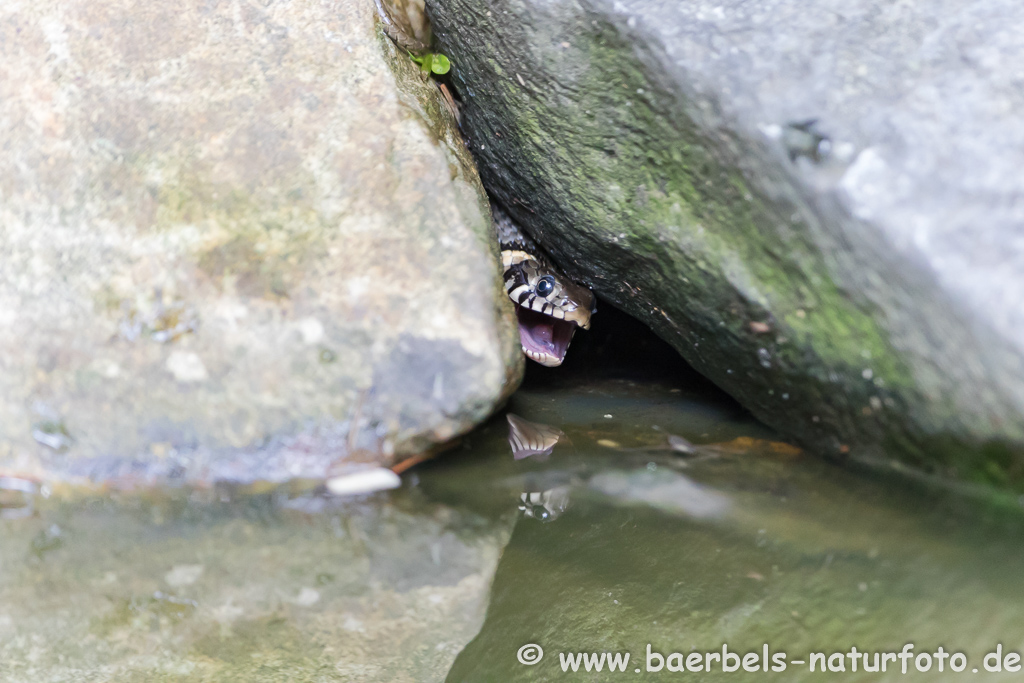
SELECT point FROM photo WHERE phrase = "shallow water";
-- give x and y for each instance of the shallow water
(743, 542)
(805, 557)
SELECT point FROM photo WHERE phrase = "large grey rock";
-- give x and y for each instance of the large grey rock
(862, 294)
(228, 233)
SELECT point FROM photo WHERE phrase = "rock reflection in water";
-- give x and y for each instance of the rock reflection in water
(222, 585)
(662, 489)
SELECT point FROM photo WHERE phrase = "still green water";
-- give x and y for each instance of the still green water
(743, 542)
(804, 557)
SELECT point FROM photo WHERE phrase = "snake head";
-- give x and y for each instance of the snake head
(549, 307)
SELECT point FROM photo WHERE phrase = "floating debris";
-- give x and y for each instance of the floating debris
(681, 445)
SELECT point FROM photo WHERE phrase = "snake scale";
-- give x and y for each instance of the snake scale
(549, 306)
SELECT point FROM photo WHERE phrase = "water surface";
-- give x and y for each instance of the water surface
(805, 556)
(742, 541)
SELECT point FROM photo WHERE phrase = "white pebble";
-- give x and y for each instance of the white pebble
(364, 481)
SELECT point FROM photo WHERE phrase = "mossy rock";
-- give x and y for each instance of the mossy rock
(776, 210)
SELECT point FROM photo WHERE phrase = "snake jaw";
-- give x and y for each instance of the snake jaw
(544, 338)
(546, 323)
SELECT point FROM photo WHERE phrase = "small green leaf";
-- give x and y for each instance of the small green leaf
(440, 64)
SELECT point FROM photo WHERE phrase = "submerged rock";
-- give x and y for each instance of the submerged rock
(239, 241)
(816, 204)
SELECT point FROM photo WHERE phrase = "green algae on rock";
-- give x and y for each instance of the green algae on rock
(839, 290)
(238, 241)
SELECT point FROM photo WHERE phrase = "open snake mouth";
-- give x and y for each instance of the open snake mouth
(545, 339)
(549, 306)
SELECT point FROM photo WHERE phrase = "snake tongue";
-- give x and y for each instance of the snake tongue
(545, 339)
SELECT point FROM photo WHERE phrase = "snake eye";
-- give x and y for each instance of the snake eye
(546, 285)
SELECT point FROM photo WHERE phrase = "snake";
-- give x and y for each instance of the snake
(549, 306)
(400, 35)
